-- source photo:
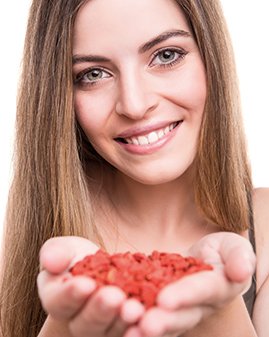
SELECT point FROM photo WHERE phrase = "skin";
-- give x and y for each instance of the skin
(140, 94)
(138, 91)
(135, 88)
(76, 309)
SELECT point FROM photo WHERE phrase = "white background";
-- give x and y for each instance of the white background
(249, 27)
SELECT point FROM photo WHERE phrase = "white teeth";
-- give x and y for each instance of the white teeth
(152, 137)
(143, 140)
(160, 133)
(172, 126)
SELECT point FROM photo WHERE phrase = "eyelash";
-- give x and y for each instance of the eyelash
(80, 76)
(180, 55)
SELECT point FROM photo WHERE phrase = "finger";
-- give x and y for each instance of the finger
(158, 322)
(238, 257)
(100, 314)
(153, 323)
(117, 328)
(133, 331)
(57, 253)
(231, 249)
(63, 297)
(206, 287)
(131, 311)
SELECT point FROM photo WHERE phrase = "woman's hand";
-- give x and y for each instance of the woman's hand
(87, 312)
(180, 306)
(188, 301)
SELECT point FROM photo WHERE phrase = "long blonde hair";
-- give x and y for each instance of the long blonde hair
(49, 195)
(223, 179)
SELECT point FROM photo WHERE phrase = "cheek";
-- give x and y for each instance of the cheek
(188, 88)
(196, 90)
(92, 112)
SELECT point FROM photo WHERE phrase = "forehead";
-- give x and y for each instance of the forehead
(104, 22)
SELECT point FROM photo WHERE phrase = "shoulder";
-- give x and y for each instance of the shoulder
(261, 222)
(261, 216)
(261, 203)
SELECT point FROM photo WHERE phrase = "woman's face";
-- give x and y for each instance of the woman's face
(140, 86)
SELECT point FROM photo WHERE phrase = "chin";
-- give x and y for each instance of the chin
(162, 177)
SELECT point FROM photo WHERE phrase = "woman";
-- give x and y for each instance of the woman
(129, 128)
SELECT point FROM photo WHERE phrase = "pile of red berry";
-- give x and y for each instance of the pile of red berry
(139, 276)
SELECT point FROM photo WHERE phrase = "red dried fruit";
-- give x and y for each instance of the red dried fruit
(140, 276)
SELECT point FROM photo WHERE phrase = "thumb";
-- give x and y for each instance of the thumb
(58, 253)
(238, 256)
(240, 264)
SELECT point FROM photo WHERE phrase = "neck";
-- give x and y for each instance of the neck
(148, 217)
(154, 205)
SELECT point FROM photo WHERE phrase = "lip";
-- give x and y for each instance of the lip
(143, 130)
(140, 131)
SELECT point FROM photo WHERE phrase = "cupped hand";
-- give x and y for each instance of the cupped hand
(89, 312)
(186, 302)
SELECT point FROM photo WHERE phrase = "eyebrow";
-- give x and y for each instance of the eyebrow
(89, 58)
(145, 47)
(163, 37)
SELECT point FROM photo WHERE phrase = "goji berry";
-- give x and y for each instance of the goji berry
(140, 276)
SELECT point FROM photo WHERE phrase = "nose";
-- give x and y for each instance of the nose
(136, 95)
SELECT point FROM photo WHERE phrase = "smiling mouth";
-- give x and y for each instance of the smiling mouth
(151, 137)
